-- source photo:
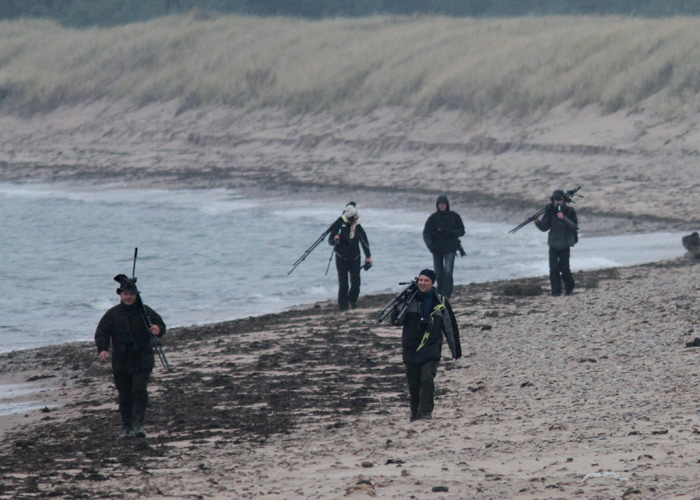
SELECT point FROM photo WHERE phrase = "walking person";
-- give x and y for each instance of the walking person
(123, 327)
(425, 320)
(441, 235)
(347, 236)
(561, 222)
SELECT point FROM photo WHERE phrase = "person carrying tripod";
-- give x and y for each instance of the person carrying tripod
(123, 328)
(347, 236)
(561, 222)
(425, 318)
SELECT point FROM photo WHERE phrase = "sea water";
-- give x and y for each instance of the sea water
(213, 255)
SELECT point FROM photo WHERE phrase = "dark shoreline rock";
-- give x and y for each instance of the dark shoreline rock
(691, 243)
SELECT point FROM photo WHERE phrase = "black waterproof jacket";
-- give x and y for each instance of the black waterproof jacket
(563, 233)
(442, 230)
(421, 339)
(348, 248)
(123, 327)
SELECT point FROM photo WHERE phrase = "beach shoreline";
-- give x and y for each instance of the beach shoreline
(550, 403)
(476, 209)
(587, 396)
(502, 166)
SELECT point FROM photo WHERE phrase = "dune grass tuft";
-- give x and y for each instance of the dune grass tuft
(513, 66)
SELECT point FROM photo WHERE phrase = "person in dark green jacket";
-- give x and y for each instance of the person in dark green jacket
(123, 327)
(425, 320)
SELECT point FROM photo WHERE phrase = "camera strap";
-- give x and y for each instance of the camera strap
(429, 327)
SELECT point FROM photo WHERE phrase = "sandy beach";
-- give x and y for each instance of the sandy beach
(590, 396)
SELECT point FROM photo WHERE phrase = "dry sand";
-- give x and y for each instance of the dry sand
(590, 396)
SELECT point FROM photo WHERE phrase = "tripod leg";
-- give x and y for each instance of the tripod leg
(329, 261)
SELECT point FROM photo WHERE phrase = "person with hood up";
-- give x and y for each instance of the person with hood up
(425, 319)
(441, 235)
(346, 237)
(561, 222)
(123, 327)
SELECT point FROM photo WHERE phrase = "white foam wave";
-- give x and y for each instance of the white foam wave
(592, 262)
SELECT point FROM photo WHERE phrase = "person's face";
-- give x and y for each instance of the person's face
(558, 201)
(128, 297)
(442, 206)
(424, 283)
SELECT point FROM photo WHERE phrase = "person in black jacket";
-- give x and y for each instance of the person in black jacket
(124, 328)
(561, 222)
(441, 235)
(425, 320)
(347, 236)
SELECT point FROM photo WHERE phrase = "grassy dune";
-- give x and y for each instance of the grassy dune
(512, 66)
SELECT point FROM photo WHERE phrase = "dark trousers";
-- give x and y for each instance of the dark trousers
(559, 270)
(352, 269)
(421, 387)
(133, 396)
(444, 264)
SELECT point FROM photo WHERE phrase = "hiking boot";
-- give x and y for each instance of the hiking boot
(139, 432)
(127, 432)
(139, 417)
(424, 416)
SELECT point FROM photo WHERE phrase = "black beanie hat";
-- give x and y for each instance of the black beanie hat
(428, 273)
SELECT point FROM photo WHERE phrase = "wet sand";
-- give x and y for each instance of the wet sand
(588, 396)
